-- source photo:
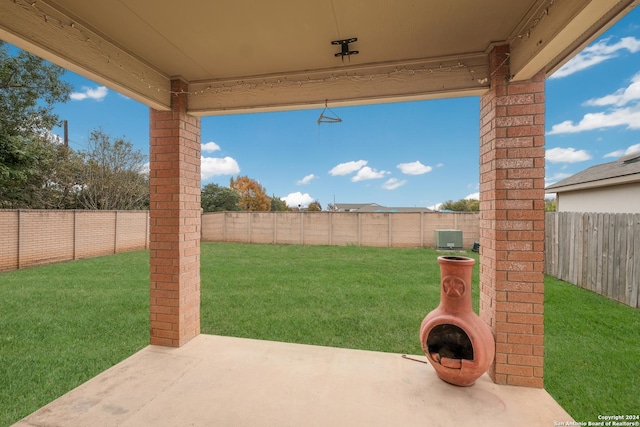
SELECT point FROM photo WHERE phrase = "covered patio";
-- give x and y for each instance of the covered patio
(224, 381)
(190, 60)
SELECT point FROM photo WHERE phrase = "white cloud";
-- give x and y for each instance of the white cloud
(435, 207)
(439, 165)
(620, 153)
(347, 168)
(393, 183)
(414, 168)
(596, 54)
(307, 179)
(293, 200)
(474, 196)
(212, 166)
(97, 94)
(629, 117)
(566, 155)
(624, 111)
(210, 147)
(620, 97)
(368, 173)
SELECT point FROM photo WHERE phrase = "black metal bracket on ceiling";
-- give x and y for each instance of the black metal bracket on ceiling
(345, 48)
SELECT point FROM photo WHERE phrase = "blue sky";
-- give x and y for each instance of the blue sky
(403, 154)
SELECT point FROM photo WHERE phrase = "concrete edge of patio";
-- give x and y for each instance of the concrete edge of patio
(215, 380)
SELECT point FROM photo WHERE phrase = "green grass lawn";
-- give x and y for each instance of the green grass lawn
(63, 324)
(352, 297)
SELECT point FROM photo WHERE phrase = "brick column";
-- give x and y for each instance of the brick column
(512, 222)
(174, 180)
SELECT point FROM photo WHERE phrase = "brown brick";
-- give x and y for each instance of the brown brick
(525, 381)
(516, 328)
(525, 297)
(526, 339)
(519, 359)
(527, 319)
(517, 110)
(517, 131)
(509, 369)
(514, 307)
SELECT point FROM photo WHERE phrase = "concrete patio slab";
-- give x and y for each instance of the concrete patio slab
(224, 381)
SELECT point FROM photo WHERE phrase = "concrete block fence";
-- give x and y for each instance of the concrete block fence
(401, 229)
(35, 237)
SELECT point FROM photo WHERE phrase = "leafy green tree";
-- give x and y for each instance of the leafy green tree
(59, 181)
(278, 205)
(550, 205)
(50, 177)
(253, 196)
(113, 175)
(314, 206)
(215, 198)
(462, 205)
(29, 89)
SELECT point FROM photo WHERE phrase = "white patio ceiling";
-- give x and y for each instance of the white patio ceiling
(256, 55)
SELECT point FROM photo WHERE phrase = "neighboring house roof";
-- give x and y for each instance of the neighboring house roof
(623, 171)
(374, 207)
(353, 206)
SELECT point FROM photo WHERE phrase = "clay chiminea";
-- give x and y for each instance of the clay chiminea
(457, 343)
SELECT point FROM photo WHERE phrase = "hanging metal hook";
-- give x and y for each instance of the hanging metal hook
(328, 119)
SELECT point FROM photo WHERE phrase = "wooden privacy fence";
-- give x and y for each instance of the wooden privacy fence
(397, 229)
(35, 237)
(596, 251)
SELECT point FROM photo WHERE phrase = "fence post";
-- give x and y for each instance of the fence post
(422, 229)
(75, 239)
(146, 232)
(249, 214)
(115, 233)
(20, 234)
(330, 216)
(275, 228)
(302, 228)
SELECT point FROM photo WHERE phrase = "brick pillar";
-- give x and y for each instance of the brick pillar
(512, 222)
(174, 245)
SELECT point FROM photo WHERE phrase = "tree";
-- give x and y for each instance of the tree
(314, 207)
(550, 205)
(49, 178)
(113, 175)
(58, 183)
(253, 196)
(278, 205)
(462, 205)
(29, 89)
(215, 198)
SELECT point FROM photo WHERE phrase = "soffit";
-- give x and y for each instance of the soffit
(244, 55)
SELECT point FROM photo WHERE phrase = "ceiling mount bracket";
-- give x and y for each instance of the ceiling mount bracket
(345, 48)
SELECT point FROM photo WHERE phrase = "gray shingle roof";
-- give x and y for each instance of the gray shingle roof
(374, 207)
(623, 167)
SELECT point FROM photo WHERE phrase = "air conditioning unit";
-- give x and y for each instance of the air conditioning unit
(448, 239)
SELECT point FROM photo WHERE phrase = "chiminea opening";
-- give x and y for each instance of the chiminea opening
(449, 341)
